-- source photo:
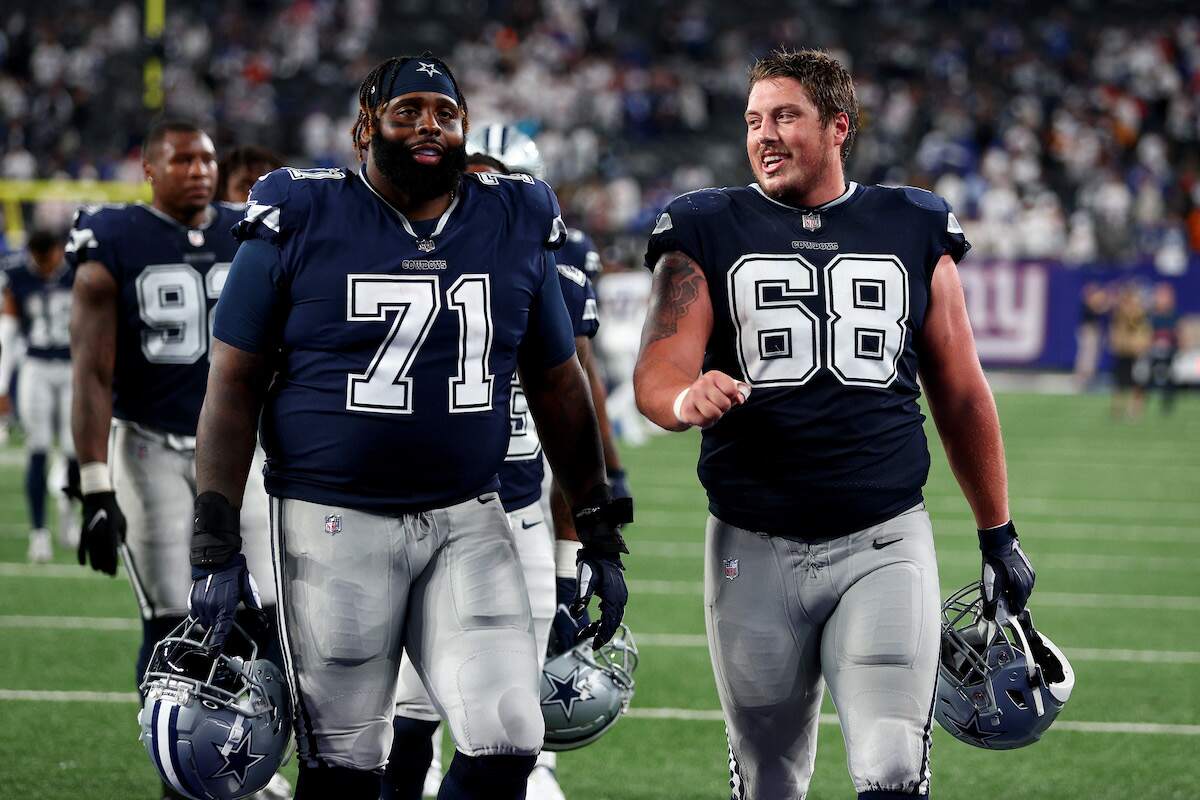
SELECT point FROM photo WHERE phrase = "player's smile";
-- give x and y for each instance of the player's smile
(772, 161)
(427, 153)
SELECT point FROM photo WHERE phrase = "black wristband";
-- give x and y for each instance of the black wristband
(599, 519)
(991, 538)
(216, 531)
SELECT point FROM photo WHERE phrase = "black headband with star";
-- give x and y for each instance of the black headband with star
(426, 74)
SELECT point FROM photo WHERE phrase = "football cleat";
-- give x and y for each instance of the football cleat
(215, 722)
(508, 145)
(40, 551)
(585, 691)
(1001, 683)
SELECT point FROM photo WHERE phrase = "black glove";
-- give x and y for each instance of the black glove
(619, 483)
(598, 564)
(1007, 573)
(564, 629)
(220, 579)
(215, 595)
(102, 531)
(603, 575)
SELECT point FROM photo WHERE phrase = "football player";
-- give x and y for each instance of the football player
(37, 309)
(790, 320)
(399, 298)
(548, 562)
(147, 278)
(240, 168)
(623, 295)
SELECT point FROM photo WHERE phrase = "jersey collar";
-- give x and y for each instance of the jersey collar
(210, 216)
(437, 229)
(851, 188)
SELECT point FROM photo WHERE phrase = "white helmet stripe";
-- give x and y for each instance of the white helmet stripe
(162, 741)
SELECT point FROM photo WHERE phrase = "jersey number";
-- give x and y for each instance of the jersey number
(385, 387)
(779, 338)
(173, 302)
(49, 319)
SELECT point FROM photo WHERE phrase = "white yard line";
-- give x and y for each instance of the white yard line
(684, 640)
(714, 715)
(1090, 654)
(1044, 599)
(10, 569)
(71, 623)
(680, 714)
(947, 524)
(1060, 561)
(43, 696)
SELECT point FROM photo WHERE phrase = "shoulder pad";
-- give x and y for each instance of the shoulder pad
(573, 274)
(96, 223)
(700, 202)
(923, 198)
(320, 173)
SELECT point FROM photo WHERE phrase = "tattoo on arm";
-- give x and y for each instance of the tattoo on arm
(678, 281)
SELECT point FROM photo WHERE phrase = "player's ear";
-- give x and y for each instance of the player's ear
(841, 127)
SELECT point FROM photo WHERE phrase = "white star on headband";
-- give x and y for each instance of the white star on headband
(428, 69)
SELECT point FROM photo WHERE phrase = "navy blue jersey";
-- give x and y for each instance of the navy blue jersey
(819, 310)
(397, 341)
(523, 468)
(43, 307)
(579, 251)
(168, 277)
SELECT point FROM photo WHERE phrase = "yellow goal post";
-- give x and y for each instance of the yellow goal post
(18, 196)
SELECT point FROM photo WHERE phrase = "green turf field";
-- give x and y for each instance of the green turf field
(1108, 512)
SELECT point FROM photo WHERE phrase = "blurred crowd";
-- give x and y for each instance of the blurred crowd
(1062, 130)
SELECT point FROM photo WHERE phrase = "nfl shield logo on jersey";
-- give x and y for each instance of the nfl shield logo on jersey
(333, 524)
(811, 222)
(730, 566)
(425, 245)
(196, 238)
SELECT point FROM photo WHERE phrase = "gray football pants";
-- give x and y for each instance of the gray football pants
(535, 550)
(861, 613)
(154, 476)
(444, 586)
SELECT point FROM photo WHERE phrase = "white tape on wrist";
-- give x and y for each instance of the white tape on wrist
(678, 405)
(564, 557)
(94, 478)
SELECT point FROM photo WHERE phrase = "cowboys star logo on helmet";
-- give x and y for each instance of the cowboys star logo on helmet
(1000, 683)
(215, 722)
(585, 691)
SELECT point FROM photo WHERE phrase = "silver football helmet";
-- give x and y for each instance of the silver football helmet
(1000, 684)
(508, 145)
(584, 692)
(216, 723)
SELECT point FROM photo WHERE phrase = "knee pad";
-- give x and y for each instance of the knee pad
(323, 782)
(409, 760)
(490, 777)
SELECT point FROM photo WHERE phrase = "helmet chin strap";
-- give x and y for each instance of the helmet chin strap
(1003, 617)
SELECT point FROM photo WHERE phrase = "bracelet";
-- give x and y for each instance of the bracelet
(678, 405)
(94, 478)
(564, 557)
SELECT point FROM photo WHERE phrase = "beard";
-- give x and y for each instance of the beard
(794, 192)
(420, 182)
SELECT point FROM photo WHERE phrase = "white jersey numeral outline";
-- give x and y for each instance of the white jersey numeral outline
(385, 387)
(778, 339)
(173, 302)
